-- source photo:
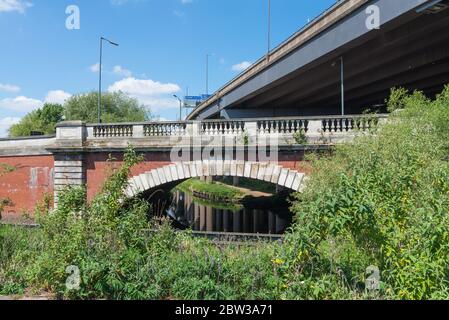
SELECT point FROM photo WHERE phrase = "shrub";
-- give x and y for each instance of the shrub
(382, 200)
(300, 137)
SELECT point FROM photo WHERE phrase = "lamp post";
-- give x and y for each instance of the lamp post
(101, 67)
(207, 74)
(269, 30)
(180, 106)
(342, 82)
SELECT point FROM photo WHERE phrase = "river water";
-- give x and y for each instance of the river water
(254, 217)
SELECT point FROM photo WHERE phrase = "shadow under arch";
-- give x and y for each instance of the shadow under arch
(180, 171)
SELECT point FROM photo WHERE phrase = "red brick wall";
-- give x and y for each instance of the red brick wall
(26, 185)
(98, 166)
(33, 177)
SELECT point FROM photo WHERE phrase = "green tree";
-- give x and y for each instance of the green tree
(42, 120)
(116, 107)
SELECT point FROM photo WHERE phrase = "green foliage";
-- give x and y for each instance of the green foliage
(214, 190)
(6, 168)
(121, 255)
(245, 139)
(3, 203)
(116, 107)
(18, 247)
(300, 137)
(42, 120)
(251, 184)
(397, 99)
(382, 200)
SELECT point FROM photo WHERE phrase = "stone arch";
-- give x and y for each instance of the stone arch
(268, 172)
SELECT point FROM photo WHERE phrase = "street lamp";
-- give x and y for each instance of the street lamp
(342, 82)
(269, 29)
(207, 73)
(101, 67)
(180, 106)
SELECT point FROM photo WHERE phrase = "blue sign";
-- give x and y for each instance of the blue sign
(193, 97)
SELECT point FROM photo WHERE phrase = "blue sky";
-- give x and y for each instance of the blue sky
(163, 44)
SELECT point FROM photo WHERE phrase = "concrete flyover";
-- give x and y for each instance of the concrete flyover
(301, 77)
(268, 149)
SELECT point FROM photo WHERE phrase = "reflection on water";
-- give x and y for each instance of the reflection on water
(190, 212)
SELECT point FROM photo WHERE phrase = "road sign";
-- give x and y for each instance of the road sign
(194, 101)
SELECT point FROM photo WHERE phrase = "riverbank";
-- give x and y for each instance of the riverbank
(220, 191)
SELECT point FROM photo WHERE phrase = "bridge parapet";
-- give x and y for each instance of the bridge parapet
(313, 130)
(77, 135)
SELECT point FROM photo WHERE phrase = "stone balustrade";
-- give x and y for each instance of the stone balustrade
(76, 134)
(314, 129)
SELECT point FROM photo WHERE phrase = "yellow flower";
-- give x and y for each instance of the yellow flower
(278, 261)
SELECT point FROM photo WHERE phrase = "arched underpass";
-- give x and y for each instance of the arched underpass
(262, 211)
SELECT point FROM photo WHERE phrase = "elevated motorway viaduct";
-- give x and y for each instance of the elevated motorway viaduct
(302, 76)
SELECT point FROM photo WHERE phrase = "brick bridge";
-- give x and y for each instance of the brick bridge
(269, 149)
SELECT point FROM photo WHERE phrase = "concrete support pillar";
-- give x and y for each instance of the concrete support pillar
(226, 222)
(281, 224)
(210, 219)
(70, 169)
(203, 218)
(238, 221)
(189, 213)
(247, 221)
(219, 220)
(197, 218)
(271, 222)
(257, 218)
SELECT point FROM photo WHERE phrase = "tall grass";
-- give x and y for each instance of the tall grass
(383, 201)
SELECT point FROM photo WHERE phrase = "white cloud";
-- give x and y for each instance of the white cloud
(9, 88)
(95, 67)
(144, 87)
(155, 95)
(119, 70)
(6, 123)
(241, 66)
(20, 104)
(14, 5)
(57, 96)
